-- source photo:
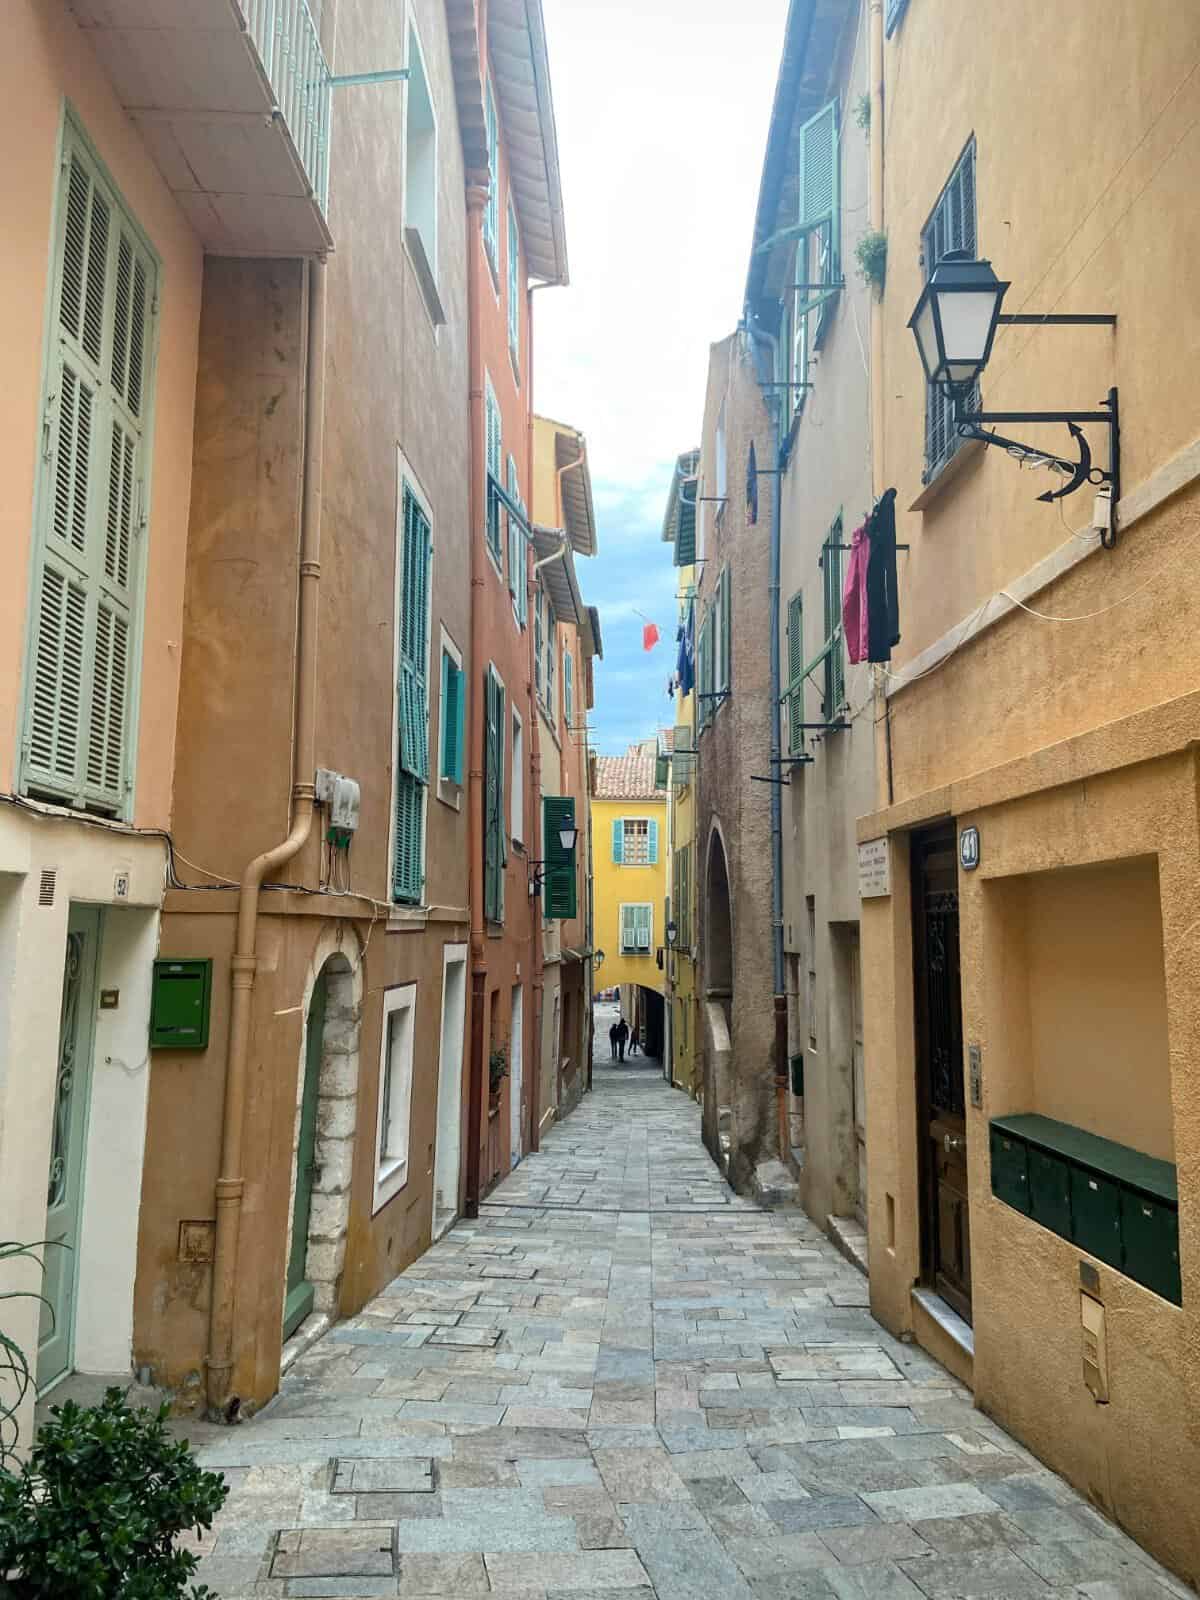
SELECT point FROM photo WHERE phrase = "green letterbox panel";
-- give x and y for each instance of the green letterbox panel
(1096, 1208)
(179, 1005)
(1050, 1191)
(1150, 1233)
(1010, 1170)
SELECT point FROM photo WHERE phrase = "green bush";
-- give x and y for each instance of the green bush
(94, 1512)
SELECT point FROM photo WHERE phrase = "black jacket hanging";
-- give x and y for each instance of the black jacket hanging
(883, 606)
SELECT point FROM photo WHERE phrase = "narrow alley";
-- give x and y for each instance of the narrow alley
(624, 1382)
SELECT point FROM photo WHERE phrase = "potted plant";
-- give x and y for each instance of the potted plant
(497, 1072)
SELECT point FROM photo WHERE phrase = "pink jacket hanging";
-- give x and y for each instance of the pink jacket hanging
(854, 597)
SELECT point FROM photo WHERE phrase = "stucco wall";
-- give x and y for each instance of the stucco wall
(735, 747)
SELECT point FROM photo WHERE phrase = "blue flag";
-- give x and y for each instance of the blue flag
(686, 665)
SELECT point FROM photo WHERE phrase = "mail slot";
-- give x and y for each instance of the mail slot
(1010, 1170)
(1096, 1209)
(1150, 1234)
(179, 1005)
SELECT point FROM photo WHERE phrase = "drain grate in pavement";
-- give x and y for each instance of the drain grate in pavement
(359, 1552)
(391, 1475)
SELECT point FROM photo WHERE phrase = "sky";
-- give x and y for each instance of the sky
(662, 109)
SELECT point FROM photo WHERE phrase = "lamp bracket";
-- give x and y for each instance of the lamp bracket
(1056, 319)
(971, 425)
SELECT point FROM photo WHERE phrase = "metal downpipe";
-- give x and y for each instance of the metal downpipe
(230, 1185)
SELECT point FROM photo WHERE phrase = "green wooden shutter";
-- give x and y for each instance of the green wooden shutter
(818, 168)
(412, 703)
(495, 845)
(643, 923)
(91, 501)
(538, 603)
(495, 446)
(618, 840)
(662, 770)
(685, 533)
(460, 708)
(452, 719)
(795, 689)
(951, 227)
(515, 564)
(835, 674)
(627, 928)
(559, 895)
(652, 843)
(726, 632)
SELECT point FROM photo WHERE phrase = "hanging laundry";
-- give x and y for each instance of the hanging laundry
(854, 596)
(685, 669)
(883, 606)
(649, 635)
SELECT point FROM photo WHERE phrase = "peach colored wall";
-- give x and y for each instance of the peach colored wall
(47, 61)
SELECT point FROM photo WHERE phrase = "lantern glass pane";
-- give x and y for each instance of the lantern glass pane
(966, 317)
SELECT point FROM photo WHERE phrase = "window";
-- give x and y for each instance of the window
(491, 215)
(704, 674)
(817, 274)
(91, 500)
(420, 159)
(454, 687)
(835, 671)
(683, 898)
(794, 695)
(950, 227)
(810, 996)
(685, 533)
(517, 784)
(395, 1093)
(514, 295)
(517, 586)
(538, 629)
(495, 839)
(412, 702)
(723, 660)
(637, 928)
(495, 447)
(568, 686)
(635, 842)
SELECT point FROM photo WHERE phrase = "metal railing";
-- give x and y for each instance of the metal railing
(289, 48)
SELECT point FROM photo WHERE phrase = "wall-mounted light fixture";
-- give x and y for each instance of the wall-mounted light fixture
(568, 834)
(672, 932)
(954, 325)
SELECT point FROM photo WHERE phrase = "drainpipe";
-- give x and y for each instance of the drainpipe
(775, 409)
(875, 199)
(477, 194)
(534, 834)
(243, 966)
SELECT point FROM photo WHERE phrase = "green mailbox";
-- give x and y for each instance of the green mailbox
(179, 1005)
(1150, 1232)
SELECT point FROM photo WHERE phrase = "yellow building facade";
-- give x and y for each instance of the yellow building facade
(1031, 876)
(629, 864)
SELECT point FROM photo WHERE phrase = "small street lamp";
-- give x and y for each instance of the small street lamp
(672, 932)
(954, 324)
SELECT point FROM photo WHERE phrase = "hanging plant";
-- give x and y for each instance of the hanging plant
(871, 255)
(497, 1070)
(862, 113)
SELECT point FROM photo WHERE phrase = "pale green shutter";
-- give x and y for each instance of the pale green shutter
(726, 632)
(644, 914)
(514, 303)
(91, 500)
(835, 677)
(795, 690)
(494, 442)
(652, 843)
(618, 840)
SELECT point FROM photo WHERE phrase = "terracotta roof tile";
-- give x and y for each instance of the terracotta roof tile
(627, 777)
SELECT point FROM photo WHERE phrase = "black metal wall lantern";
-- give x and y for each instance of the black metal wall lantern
(568, 835)
(954, 325)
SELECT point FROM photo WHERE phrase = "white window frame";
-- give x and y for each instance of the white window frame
(392, 1161)
(632, 905)
(516, 781)
(407, 478)
(638, 866)
(418, 81)
(449, 792)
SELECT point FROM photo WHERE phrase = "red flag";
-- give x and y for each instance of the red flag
(649, 636)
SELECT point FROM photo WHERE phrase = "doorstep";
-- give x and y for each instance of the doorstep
(939, 1329)
(305, 1336)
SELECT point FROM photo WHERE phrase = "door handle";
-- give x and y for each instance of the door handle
(952, 1142)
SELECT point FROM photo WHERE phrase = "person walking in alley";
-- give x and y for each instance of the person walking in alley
(633, 1040)
(612, 1040)
(622, 1036)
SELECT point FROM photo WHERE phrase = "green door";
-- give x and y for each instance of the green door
(299, 1300)
(64, 1196)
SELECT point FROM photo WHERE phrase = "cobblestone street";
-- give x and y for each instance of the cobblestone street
(622, 1383)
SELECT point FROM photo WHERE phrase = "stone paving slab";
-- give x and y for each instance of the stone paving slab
(623, 1382)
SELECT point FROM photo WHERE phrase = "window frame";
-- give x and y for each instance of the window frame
(516, 783)
(450, 784)
(940, 415)
(408, 487)
(635, 905)
(392, 1170)
(416, 65)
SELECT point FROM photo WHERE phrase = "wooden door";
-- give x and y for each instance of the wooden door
(300, 1294)
(516, 1077)
(858, 1079)
(941, 1098)
(64, 1189)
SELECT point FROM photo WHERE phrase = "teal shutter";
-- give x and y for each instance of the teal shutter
(835, 675)
(91, 501)
(495, 844)
(618, 840)
(494, 443)
(412, 704)
(514, 303)
(652, 843)
(559, 895)
(568, 687)
(460, 706)
(452, 719)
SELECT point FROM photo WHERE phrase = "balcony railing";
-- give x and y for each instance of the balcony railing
(289, 48)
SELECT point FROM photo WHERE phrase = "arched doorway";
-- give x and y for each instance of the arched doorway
(326, 1117)
(717, 973)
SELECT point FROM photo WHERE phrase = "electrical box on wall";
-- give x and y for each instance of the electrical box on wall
(342, 798)
(180, 999)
